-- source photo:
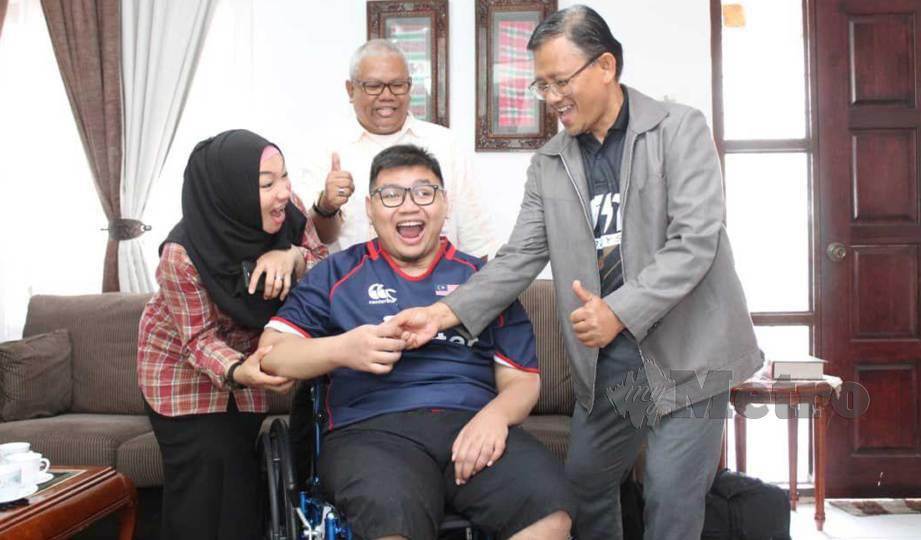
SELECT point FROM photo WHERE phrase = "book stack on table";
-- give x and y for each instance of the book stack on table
(802, 368)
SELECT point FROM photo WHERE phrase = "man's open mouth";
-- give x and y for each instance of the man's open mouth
(410, 230)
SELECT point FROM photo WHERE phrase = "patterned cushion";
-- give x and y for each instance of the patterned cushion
(35, 376)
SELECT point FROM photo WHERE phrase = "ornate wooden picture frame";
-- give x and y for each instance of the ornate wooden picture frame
(508, 117)
(420, 28)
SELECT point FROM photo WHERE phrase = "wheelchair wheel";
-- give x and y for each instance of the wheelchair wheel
(281, 518)
(290, 485)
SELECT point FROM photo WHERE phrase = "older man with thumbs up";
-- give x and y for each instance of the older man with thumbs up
(627, 206)
(379, 89)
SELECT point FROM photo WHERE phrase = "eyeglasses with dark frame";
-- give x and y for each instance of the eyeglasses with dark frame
(395, 196)
(540, 89)
(376, 88)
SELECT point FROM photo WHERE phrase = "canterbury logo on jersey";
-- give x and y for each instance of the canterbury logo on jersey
(381, 295)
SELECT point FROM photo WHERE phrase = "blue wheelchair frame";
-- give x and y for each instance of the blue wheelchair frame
(296, 513)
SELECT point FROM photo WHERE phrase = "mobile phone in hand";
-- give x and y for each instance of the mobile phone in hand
(248, 267)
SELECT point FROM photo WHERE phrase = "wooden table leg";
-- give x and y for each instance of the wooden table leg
(820, 424)
(741, 442)
(127, 518)
(792, 440)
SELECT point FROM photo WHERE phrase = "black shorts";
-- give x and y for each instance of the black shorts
(393, 475)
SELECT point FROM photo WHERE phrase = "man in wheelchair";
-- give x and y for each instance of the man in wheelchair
(411, 430)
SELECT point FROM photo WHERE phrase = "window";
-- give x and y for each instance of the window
(763, 131)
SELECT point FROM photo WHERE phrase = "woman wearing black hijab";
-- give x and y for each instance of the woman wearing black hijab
(198, 367)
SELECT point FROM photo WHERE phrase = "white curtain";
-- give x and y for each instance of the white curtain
(50, 216)
(161, 46)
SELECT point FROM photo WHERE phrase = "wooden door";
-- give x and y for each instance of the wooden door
(868, 91)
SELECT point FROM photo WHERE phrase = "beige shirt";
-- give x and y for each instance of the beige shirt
(466, 226)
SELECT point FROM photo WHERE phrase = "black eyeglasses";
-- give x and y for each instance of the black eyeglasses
(376, 88)
(560, 88)
(394, 196)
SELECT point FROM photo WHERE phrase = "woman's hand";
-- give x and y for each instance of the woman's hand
(277, 265)
(250, 374)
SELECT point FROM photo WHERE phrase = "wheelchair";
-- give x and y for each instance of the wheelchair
(288, 456)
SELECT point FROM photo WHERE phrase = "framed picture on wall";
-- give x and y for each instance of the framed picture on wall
(420, 29)
(508, 117)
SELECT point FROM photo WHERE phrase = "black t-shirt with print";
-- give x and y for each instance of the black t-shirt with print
(602, 161)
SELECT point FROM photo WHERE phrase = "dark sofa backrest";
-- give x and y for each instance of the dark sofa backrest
(104, 337)
(556, 393)
(103, 332)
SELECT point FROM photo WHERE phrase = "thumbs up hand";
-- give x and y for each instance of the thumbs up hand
(595, 323)
(339, 187)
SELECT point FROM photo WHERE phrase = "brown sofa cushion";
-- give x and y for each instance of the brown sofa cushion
(35, 376)
(77, 439)
(140, 460)
(556, 393)
(103, 333)
(552, 430)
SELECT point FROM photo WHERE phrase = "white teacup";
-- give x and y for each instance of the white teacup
(10, 448)
(9, 480)
(32, 465)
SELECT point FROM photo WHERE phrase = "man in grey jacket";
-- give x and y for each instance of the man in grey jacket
(627, 205)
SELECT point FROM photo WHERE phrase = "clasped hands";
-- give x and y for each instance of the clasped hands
(594, 323)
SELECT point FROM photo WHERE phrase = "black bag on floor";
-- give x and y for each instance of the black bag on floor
(743, 508)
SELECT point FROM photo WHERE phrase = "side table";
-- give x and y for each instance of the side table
(818, 395)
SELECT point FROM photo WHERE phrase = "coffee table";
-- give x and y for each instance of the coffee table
(73, 503)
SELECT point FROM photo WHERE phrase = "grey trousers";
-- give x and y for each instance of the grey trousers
(682, 455)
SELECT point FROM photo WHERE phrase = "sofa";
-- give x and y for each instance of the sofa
(103, 422)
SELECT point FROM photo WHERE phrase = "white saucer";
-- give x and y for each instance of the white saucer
(43, 477)
(24, 491)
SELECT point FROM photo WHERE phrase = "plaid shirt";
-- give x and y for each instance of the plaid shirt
(186, 343)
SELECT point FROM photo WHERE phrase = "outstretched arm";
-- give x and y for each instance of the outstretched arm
(371, 348)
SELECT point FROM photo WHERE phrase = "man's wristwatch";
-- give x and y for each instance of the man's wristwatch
(229, 381)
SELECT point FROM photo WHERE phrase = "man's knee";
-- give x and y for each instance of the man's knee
(402, 515)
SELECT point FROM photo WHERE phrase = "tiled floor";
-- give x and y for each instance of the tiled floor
(843, 526)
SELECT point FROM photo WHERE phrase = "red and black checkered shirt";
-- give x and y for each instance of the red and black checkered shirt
(186, 343)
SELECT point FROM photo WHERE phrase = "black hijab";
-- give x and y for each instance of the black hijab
(221, 222)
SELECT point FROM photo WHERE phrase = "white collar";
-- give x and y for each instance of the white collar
(408, 126)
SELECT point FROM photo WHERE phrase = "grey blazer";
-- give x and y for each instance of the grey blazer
(681, 299)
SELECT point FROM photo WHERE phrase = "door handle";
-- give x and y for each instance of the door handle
(836, 251)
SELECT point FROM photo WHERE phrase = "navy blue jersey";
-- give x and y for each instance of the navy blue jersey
(363, 285)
